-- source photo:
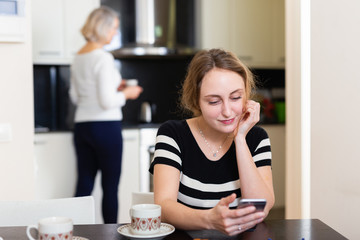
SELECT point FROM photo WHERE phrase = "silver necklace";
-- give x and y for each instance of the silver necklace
(208, 144)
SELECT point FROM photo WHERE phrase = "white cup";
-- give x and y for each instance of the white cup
(132, 82)
(52, 228)
(145, 219)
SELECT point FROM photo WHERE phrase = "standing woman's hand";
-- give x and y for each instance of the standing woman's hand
(250, 116)
(132, 92)
(122, 85)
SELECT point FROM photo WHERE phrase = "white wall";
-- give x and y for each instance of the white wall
(335, 84)
(16, 109)
(335, 185)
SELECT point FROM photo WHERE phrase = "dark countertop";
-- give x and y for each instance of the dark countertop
(269, 229)
(125, 126)
(134, 126)
(141, 125)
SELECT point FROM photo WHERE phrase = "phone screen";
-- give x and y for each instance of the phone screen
(258, 203)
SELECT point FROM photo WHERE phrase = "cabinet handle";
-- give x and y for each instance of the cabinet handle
(39, 142)
(49, 53)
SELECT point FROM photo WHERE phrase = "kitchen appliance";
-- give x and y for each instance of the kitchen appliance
(147, 148)
(147, 112)
(155, 22)
(12, 21)
(155, 27)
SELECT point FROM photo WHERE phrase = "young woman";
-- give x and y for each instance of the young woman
(97, 92)
(203, 165)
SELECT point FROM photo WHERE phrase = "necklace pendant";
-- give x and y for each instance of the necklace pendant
(214, 154)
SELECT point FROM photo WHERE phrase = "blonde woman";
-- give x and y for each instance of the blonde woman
(98, 98)
(203, 165)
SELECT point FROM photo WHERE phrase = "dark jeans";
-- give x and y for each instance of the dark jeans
(99, 147)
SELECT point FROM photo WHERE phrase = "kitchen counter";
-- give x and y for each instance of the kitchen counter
(141, 125)
(38, 130)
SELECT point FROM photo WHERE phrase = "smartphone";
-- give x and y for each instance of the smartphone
(258, 203)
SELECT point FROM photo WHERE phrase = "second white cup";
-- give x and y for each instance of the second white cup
(132, 82)
(52, 228)
(145, 219)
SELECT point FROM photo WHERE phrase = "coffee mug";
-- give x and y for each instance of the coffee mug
(145, 219)
(132, 82)
(52, 228)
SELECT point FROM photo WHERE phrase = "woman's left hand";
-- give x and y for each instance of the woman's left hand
(250, 116)
(233, 221)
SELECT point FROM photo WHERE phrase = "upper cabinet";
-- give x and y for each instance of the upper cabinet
(252, 29)
(56, 28)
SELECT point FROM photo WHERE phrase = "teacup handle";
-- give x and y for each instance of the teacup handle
(28, 231)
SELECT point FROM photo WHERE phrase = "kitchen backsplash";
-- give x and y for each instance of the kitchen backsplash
(161, 77)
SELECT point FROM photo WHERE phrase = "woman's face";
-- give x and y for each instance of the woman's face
(112, 31)
(222, 98)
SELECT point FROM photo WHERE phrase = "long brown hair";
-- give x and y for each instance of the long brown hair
(200, 65)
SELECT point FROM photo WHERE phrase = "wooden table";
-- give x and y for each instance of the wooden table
(306, 229)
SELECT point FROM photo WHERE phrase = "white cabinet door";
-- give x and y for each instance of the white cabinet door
(56, 28)
(252, 29)
(55, 170)
(55, 165)
(277, 139)
(75, 16)
(130, 179)
(47, 30)
(279, 32)
(215, 24)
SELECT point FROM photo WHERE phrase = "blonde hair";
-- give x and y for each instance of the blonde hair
(98, 24)
(200, 65)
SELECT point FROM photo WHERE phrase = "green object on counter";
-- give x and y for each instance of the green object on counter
(280, 111)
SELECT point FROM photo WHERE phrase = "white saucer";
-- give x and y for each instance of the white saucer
(79, 238)
(165, 229)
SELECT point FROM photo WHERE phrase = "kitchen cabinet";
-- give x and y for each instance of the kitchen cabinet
(56, 28)
(276, 134)
(252, 29)
(55, 165)
(55, 170)
(278, 34)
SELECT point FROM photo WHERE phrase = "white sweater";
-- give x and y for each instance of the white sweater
(93, 88)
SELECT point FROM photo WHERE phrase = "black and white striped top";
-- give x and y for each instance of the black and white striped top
(204, 182)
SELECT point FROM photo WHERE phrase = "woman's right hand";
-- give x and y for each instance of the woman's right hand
(233, 221)
(132, 92)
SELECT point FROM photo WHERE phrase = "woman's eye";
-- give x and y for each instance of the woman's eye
(236, 98)
(213, 102)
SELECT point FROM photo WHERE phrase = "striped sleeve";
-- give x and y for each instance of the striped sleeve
(261, 149)
(167, 150)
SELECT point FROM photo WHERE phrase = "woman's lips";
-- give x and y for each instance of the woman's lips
(228, 121)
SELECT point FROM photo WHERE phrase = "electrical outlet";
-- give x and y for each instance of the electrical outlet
(5, 132)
